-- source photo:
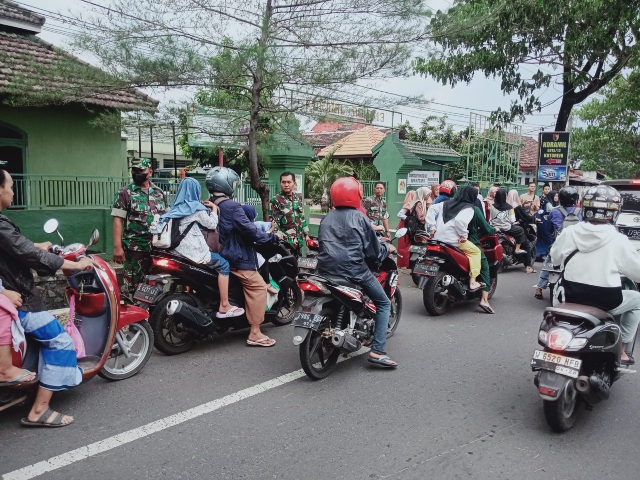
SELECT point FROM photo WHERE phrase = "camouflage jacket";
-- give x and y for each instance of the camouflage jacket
(376, 209)
(288, 214)
(137, 208)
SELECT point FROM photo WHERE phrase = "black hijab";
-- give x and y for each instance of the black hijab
(500, 201)
(550, 196)
(465, 199)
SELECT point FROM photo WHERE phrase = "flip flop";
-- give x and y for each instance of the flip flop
(17, 381)
(56, 422)
(538, 296)
(384, 362)
(263, 342)
(232, 312)
(487, 308)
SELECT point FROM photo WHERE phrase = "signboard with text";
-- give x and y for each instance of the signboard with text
(553, 156)
(423, 178)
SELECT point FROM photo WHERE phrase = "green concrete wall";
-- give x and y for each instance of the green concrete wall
(60, 140)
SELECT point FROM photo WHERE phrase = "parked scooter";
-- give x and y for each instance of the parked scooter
(337, 317)
(117, 338)
(183, 297)
(444, 273)
(579, 362)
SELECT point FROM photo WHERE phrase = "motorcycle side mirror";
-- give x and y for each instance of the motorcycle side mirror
(51, 226)
(95, 237)
(401, 232)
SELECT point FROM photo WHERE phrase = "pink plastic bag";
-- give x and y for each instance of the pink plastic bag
(73, 331)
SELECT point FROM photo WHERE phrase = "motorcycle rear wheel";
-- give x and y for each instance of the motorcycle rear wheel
(434, 301)
(290, 305)
(561, 414)
(414, 277)
(494, 286)
(318, 356)
(139, 333)
(170, 337)
(396, 312)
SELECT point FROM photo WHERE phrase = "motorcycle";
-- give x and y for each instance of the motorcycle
(579, 361)
(510, 257)
(183, 297)
(117, 338)
(444, 272)
(337, 317)
(416, 250)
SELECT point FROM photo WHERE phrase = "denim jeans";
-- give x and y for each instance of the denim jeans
(543, 277)
(629, 310)
(376, 293)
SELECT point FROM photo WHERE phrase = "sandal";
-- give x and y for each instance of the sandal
(531, 270)
(263, 342)
(538, 294)
(487, 308)
(384, 362)
(19, 380)
(42, 421)
(232, 312)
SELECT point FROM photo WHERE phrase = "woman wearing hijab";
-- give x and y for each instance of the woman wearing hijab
(488, 202)
(405, 242)
(545, 231)
(479, 227)
(188, 208)
(451, 220)
(503, 219)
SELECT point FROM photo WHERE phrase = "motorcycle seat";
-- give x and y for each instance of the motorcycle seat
(342, 281)
(594, 315)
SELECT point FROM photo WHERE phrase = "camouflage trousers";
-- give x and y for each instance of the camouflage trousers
(136, 266)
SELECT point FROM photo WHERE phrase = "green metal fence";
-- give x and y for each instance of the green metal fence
(369, 185)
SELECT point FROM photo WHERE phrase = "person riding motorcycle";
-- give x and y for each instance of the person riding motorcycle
(593, 255)
(348, 243)
(448, 189)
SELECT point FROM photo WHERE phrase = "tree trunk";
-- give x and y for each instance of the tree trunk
(563, 115)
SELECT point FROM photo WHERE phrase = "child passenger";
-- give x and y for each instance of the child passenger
(188, 207)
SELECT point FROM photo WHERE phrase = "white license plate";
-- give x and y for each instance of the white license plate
(310, 263)
(563, 365)
(417, 249)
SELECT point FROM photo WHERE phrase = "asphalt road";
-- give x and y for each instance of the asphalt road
(462, 404)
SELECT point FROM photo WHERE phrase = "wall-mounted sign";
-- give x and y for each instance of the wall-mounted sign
(402, 186)
(553, 149)
(423, 178)
(552, 174)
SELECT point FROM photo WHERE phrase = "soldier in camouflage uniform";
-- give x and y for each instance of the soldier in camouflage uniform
(376, 208)
(133, 211)
(286, 210)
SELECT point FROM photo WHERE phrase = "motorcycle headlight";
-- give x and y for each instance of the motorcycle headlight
(559, 338)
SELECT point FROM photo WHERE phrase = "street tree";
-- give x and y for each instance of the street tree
(320, 176)
(610, 141)
(578, 46)
(263, 60)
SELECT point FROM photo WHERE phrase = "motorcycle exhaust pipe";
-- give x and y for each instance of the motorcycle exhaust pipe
(599, 387)
(191, 316)
(582, 384)
(345, 342)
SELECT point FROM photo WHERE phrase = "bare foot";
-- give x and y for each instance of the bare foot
(13, 372)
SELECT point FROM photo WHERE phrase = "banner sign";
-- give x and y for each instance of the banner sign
(552, 174)
(553, 149)
(423, 178)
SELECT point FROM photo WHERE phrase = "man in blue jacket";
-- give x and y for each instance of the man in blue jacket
(238, 234)
(347, 244)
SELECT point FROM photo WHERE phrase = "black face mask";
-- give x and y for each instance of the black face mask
(139, 178)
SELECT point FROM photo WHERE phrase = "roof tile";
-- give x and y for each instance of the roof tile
(357, 144)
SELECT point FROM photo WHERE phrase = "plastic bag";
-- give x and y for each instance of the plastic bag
(73, 331)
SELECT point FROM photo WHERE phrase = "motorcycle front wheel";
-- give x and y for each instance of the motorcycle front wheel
(170, 336)
(137, 338)
(434, 295)
(396, 311)
(561, 414)
(290, 304)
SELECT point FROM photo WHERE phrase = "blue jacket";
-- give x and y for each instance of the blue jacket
(232, 220)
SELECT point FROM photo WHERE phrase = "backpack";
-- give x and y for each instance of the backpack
(166, 233)
(570, 219)
(212, 237)
(412, 223)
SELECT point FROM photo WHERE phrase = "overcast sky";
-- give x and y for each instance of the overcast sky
(481, 95)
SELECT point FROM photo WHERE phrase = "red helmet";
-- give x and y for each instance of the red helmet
(448, 187)
(346, 192)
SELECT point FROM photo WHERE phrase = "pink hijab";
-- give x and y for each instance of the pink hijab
(513, 198)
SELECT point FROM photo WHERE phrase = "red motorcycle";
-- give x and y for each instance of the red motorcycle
(443, 272)
(117, 338)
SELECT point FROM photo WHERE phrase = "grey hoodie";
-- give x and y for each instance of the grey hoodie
(592, 275)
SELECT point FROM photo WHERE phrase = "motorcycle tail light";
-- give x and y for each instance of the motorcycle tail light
(559, 338)
(166, 263)
(548, 391)
(314, 286)
(308, 287)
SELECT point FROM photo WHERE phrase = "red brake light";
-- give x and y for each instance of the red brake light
(308, 287)
(166, 263)
(436, 248)
(548, 391)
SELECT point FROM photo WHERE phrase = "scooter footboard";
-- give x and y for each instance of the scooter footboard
(551, 384)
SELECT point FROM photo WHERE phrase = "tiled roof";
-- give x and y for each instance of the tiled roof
(424, 149)
(13, 11)
(357, 144)
(28, 60)
(528, 154)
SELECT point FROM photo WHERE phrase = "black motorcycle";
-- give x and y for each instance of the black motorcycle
(579, 362)
(337, 317)
(510, 257)
(183, 297)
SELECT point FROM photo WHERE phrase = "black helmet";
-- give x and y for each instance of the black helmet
(601, 204)
(222, 180)
(568, 196)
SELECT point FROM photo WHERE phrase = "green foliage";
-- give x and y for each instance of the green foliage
(610, 141)
(363, 169)
(320, 175)
(581, 45)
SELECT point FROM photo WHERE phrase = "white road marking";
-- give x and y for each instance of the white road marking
(110, 443)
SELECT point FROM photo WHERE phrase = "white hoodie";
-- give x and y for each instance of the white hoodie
(592, 276)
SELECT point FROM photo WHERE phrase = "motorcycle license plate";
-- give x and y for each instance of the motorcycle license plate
(308, 320)
(425, 269)
(147, 293)
(632, 233)
(310, 263)
(418, 249)
(567, 366)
